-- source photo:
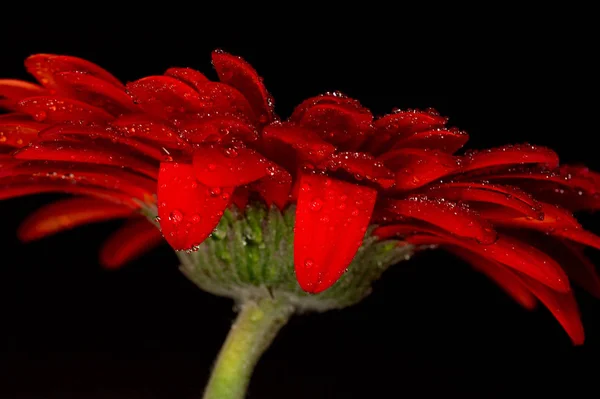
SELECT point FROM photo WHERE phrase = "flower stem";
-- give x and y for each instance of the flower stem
(254, 329)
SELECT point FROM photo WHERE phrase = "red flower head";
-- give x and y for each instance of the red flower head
(188, 148)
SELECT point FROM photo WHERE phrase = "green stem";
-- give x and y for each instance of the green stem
(254, 329)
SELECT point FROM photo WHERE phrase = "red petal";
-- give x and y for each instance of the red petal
(45, 66)
(18, 187)
(275, 188)
(67, 214)
(304, 141)
(400, 124)
(96, 92)
(505, 278)
(217, 128)
(188, 210)
(508, 156)
(18, 133)
(135, 238)
(221, 98)
(362, 166)
(510, 252)
(237, 73)
(100, 132)
(77, 152)
(580, 269)
(335, 98)
(562, 305)
(106, 177)
(415, 168)
(240, 197)
(225, 166)
(331, 220)
(506, 196)
(343, 125)
(576, 188)
(144, 127)
(164, 97)
(12, 91)
(556, 221)
(449, 216)
(446, 140)
(59, 109)
(189, 76)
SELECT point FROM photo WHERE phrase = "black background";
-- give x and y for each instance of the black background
(432, 328)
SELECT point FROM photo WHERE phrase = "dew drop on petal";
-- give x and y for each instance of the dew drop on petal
(316, 204)
(176, 216)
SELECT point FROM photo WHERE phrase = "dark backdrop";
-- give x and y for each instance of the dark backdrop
(432, 328)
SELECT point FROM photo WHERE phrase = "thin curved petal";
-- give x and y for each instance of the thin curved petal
(335, 98)
(510, 252)
(400, 124)
(106, 177)
(149, 129)
(217, 128)
(504, 196)
(222, 98)
(562, 305)
(227, 166)
(45, 66)
(12, 91)
(96, 92)
(164, 97)
(237, 73)
(68, 151)
(576, 188)
(188, 210)
(53, 109)
(189, 76)
(344, 126)
(135, 238)
(331, 220)
(506, 279)
(511, 155)
(556, 222)
(449, 216)
(67, 214)
(19, 187)
(446, 140)
(306, 142)
(415, 168)
(18, 133)
(362, 166)
(522, 288)
(100, 132)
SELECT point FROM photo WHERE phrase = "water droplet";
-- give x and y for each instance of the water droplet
(309, 263)
(316, 204)
(195, 218)
(214, 191)
(230, 152)
(175, 216)
(40, 116)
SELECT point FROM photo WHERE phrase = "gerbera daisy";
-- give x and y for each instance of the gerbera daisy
(304, 212)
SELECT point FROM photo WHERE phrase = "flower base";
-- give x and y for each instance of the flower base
(250, 258)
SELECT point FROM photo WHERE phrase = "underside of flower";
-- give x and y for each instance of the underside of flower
(193, 153)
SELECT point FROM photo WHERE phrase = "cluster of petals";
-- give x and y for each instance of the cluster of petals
(192, 147)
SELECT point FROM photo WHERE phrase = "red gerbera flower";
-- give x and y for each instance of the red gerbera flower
(185, 148)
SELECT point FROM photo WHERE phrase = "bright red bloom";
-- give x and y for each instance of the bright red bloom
(193, 147)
